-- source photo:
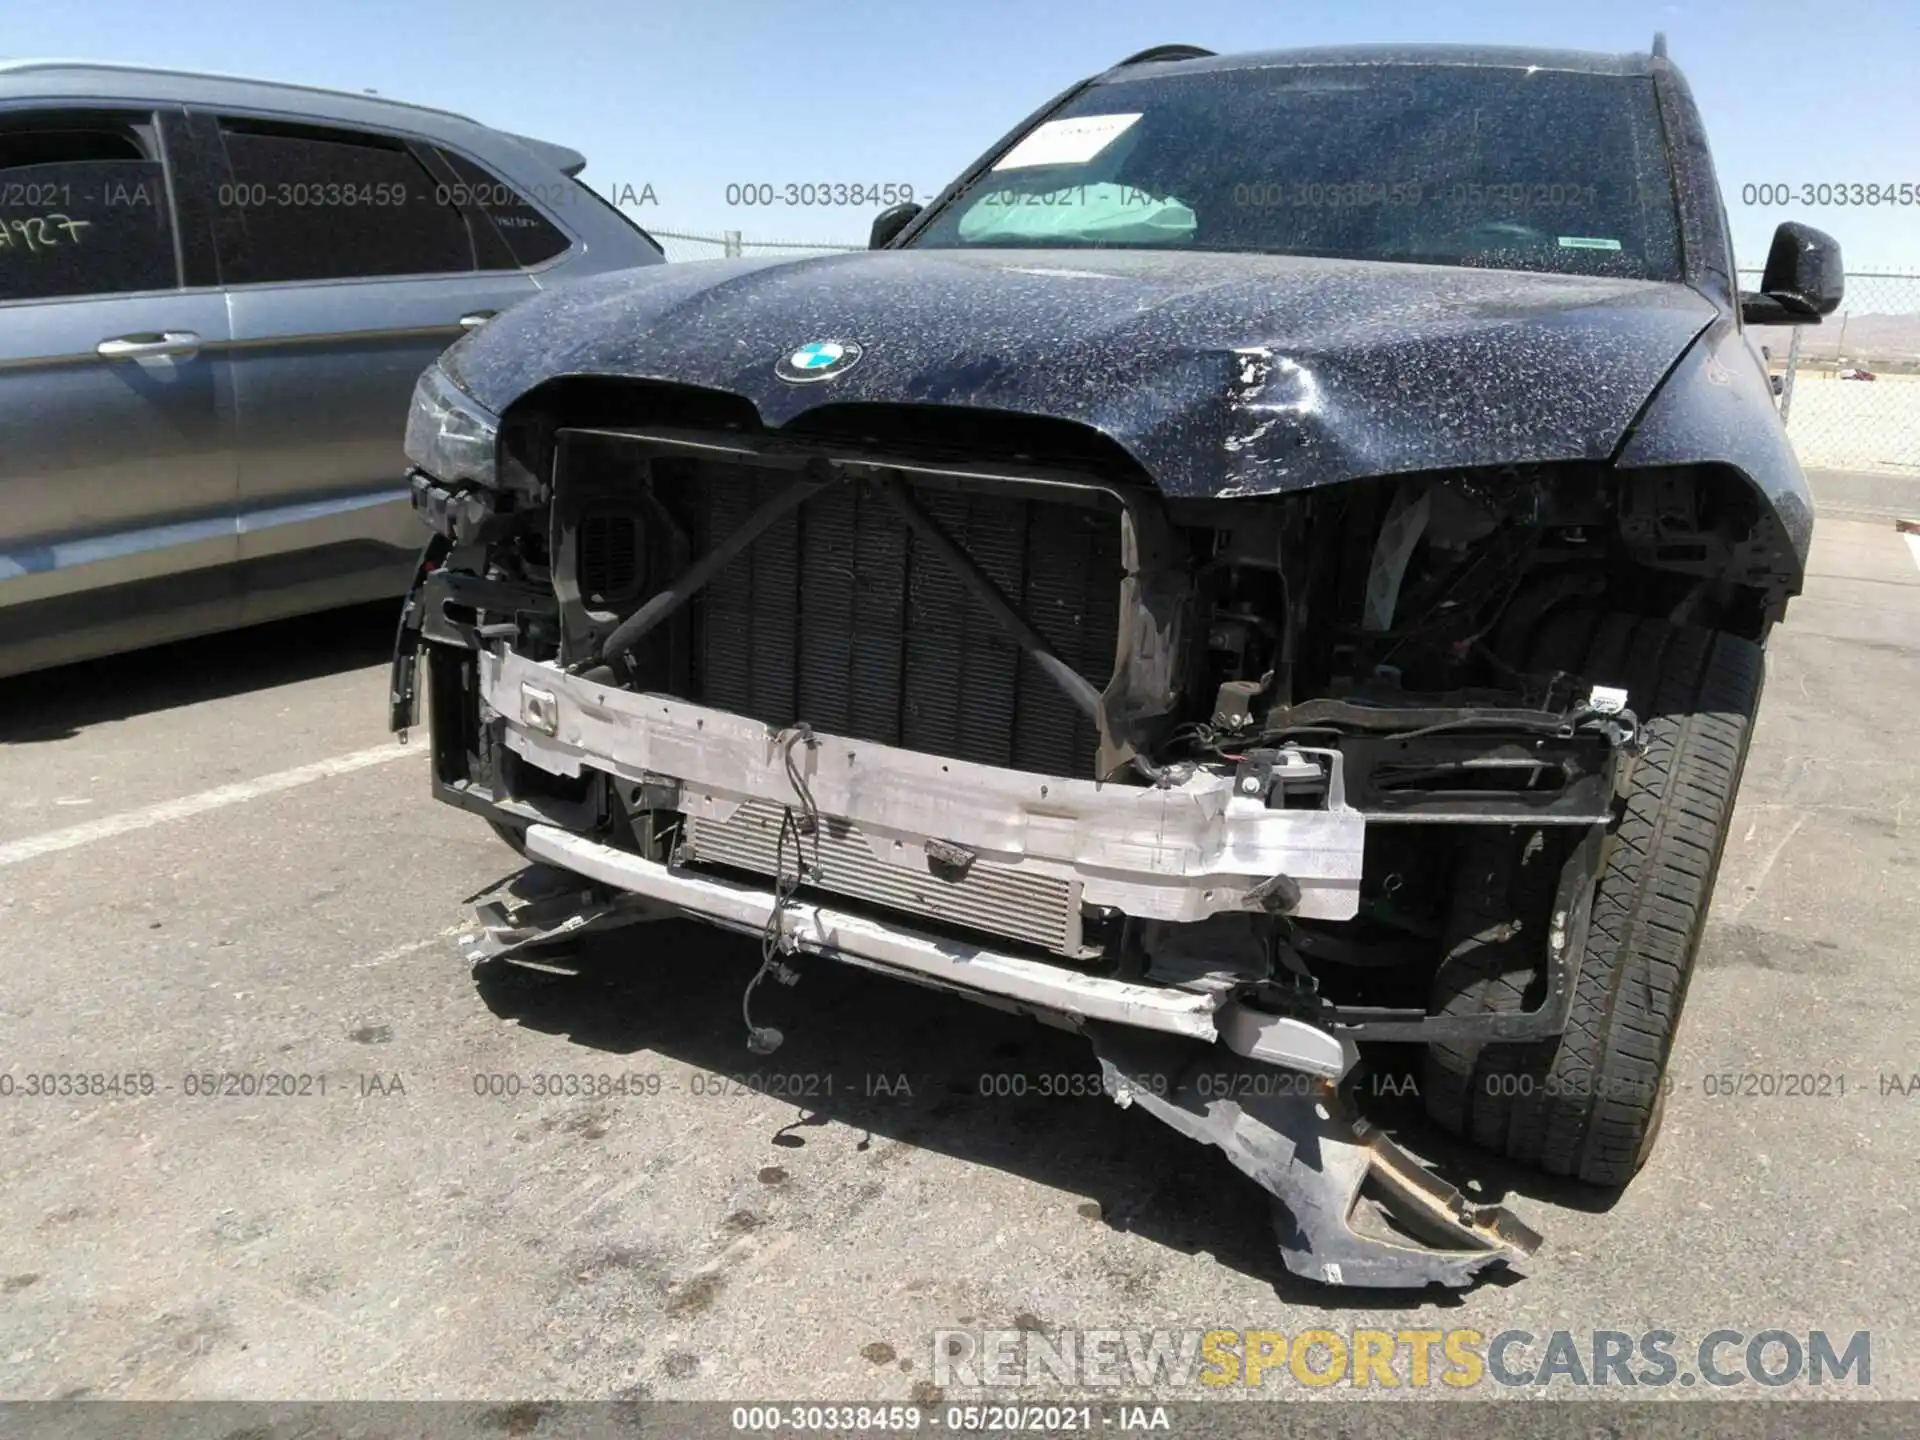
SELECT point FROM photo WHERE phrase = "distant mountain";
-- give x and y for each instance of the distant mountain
(1858, 337)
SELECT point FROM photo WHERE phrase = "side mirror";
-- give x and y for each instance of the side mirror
(890, 222)
(1804, 279)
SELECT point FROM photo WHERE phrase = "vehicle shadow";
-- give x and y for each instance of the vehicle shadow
(58, 704)
(1389, 1089)
(926, 1069)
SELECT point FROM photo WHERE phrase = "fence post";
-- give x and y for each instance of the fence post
(1793, 368)
(730, 240)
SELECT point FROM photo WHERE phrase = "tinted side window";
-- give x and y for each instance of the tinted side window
(83, 208)
(529, 237)
(320, 204)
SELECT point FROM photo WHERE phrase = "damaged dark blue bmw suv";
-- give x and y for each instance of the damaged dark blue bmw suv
(1275, 558)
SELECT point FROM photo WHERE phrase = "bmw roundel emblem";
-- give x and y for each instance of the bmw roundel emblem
(822, 360)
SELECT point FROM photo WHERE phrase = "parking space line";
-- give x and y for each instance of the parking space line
(1913, 545)
(413, 947)
(73, 836)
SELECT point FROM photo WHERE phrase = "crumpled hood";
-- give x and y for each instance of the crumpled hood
(1221, 374)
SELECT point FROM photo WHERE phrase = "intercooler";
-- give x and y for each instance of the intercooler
(839, 617)
(1041, 910)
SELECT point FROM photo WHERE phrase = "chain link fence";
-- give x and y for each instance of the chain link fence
(684, 245)
(1850, 386)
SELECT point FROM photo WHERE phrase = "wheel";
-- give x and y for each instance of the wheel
(1588, 1103)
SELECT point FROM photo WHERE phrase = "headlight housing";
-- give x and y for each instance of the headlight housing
(450, 435)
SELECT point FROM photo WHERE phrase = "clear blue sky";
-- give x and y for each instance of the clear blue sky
(689, 97)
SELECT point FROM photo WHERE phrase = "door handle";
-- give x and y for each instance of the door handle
(167, 344)
(477, 318)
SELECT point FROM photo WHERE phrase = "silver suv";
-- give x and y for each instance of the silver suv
(215, 297)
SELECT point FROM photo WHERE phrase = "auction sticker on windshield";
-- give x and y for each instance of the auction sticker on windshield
(1067, 142)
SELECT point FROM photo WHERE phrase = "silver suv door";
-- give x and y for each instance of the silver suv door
(117, 478)
(349, 267)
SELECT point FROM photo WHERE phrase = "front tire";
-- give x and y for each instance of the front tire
(1587, 1104)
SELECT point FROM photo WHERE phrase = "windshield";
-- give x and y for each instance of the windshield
(1449, 165)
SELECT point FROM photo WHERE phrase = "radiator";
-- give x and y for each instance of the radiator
(838, 618)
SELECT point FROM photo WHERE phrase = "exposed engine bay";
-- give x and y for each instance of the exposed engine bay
(965, 699)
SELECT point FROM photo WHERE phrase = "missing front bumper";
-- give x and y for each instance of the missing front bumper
(1353, 1208)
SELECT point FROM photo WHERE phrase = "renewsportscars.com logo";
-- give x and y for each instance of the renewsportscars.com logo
(1390, 1359)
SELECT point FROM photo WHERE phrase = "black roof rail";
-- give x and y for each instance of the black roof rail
(1659, 44)
(1156, 53)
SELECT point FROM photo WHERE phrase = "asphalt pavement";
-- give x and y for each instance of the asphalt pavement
(304, 1152)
